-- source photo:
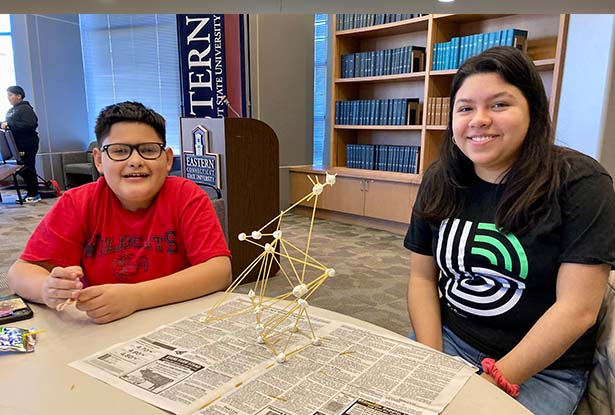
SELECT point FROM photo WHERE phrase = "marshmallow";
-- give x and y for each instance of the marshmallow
(317, 189)
(300, 290)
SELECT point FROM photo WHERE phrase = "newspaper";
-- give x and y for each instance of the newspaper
(190, 367)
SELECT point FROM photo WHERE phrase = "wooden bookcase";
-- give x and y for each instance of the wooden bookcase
(384, 199)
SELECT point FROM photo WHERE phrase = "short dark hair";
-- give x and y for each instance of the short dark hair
(128, 111)
(532, 181)
(17, 90)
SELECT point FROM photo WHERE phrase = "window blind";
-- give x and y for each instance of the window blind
(132, 58)
(321, 22)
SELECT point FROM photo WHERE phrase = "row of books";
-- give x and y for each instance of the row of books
(406, 59)
(395, 111)
(401, 159)
(437, 110)
(451, 54)
(356, 20)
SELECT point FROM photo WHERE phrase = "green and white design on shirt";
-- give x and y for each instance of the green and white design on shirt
(483, 268)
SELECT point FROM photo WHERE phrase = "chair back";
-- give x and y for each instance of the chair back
(8, 147)
(91, 147)
(215, 195)
(599, 397)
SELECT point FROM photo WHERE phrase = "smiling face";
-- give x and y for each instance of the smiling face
(490, 121)
(134, 181)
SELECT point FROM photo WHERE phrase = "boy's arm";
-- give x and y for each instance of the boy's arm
(42, 282)
(196, 281)
(105, 303)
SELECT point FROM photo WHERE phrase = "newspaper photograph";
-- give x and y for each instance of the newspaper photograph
(192, 367)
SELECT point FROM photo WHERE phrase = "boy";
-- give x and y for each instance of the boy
(22, 121)
(134, 239)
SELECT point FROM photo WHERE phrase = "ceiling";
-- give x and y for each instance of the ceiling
(305, 6)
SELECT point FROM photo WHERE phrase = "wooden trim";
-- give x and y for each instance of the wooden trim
(414, 76)
(466, 18)
(560, 56)
(545, 64)
(361, 173)
(378, 127)
(417, 24)
(334, 96)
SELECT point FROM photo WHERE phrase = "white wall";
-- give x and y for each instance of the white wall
(282, 85)
(585, 101)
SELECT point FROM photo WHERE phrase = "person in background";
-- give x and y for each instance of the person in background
(512, 239)
(22, 121)
(136, 238)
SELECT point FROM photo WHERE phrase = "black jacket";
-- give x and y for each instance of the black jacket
(23, 123)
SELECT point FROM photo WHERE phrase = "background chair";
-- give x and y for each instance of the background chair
(599, 397)
(78, 167)
(215, 195)
(10, 163)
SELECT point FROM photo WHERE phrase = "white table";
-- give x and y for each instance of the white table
(42, 382)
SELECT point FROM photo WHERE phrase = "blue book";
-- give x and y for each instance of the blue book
(454, 62)
(384, 155)
(515, 37)
(348, 155)
(481, 42)
(337, 112)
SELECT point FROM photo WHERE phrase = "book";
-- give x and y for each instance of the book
(417, 58)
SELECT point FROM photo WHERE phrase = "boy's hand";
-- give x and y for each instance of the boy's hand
(62, 284)
(105, 303)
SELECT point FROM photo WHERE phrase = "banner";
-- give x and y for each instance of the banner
(202, 65)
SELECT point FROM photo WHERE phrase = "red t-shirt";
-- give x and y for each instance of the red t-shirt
(89, 227)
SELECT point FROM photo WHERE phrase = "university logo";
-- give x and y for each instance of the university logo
(494, 284)
(202, 167)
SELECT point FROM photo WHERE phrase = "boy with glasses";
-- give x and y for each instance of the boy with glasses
(137, 238)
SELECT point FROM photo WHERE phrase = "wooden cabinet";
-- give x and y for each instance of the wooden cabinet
(300, 186)
(390, 194)
(379, 199)
(389, 200)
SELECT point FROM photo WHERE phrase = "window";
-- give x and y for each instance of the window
(321, 29)
(132, 58)
(7, 74)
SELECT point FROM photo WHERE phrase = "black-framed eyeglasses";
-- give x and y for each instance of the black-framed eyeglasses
(121, 152)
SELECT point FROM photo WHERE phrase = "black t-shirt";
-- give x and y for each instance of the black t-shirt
(495, 286)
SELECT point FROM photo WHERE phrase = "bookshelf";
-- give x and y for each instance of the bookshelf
(366, 194)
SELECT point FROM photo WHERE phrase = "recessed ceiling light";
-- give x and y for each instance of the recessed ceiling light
(446, 1)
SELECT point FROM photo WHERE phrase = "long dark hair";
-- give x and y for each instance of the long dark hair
(532, 181)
